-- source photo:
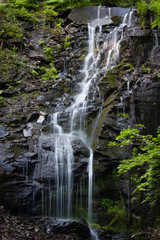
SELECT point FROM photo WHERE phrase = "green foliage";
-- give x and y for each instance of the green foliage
(34, 72)
(155, 7)
(50, 74)
(145, 68)
(143, 8)
(1, 98)
(118, 3)
(9, 60)
(50, 12)
(68, 4)
(67, 42)
(10, 30)
(145, 156)
(108, 203)
(116, 213)
(25, 15)
(123, 115)
(49, 52)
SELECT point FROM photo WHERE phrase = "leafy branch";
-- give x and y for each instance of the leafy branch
(145, 158)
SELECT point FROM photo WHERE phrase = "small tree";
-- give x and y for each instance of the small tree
(146, 157)
(144, 7)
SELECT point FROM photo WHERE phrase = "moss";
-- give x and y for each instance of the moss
(116, 20)
(119, 221)
(112, 82)
(112, 77)
(67, 42)
(17, 150)
(99, 120)
(123, 115)
(145, 68)
(95, 226)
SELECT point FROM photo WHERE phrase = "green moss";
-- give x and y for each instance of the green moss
(94, 132)
(49, 52)
(36, 94)
(116, 20)
(145, 68)
(67, 42)
(112, 81)
(95, 226)
(123, 115)
(115, 214)
(119, 221)
(82, 56)
(16, 150)
(112, 77)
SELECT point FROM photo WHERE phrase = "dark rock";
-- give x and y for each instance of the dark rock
(80, 149)
(37, 56)
(48, 129)
(138, 32)
(155, 56)
(33, 117)
(17, 193)
(81, 229)
(113, 234)
(31, 155)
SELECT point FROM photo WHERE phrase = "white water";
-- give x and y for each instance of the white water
(128, 18)
(155, 39)
(56, 152)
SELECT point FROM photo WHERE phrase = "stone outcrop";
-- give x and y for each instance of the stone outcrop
(41, 228)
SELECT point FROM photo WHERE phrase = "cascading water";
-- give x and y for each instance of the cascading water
(56, 148)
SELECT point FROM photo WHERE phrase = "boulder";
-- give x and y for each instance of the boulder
(80, 228)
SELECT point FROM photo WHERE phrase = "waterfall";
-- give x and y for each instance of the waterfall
(128, 18)
(155, 44)
(155, 39)
(56, 147)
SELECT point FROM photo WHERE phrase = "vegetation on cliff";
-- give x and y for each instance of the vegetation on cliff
(143, 9)
(145, 155)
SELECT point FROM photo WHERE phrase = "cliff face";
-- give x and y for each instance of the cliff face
(31, 90)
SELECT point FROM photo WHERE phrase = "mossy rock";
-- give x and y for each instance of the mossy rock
(112, 82)
(116, 20)
(99, 120)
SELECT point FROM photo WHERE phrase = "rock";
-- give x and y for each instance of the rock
(41, 119)
(3, 133)
(37, 55)
(138, 32)
(48, 128)
(101, 22)
(155, 56)
(86, 14)
(28, 131)
(31, 155)
(80, 149)
(32, 117)
(81, 229)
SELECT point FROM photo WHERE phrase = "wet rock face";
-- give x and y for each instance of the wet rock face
(86, 14)
(136, 47)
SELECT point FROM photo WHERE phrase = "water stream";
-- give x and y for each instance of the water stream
(67, 125)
